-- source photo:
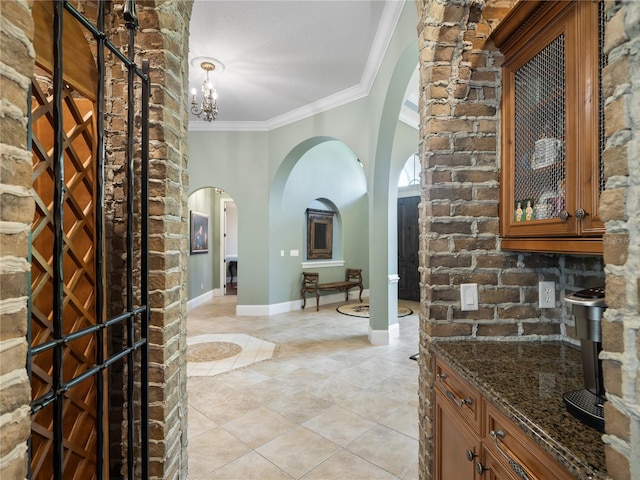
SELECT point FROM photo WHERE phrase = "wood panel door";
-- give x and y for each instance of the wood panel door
(456, 446)
(408, 244)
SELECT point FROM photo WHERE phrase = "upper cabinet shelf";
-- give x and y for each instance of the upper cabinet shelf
(551, 175)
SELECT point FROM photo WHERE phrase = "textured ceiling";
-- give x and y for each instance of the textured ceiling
(286, 60)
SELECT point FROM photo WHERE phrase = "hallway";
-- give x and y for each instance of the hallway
(328, 405)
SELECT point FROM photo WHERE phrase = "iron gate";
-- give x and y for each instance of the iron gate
(78, 348)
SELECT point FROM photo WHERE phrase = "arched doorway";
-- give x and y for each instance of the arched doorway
(229, 240)
(213, 269)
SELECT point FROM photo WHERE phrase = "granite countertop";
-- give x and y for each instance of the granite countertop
(526, 382)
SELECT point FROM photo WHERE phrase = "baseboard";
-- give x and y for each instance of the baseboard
(284, 307)
(394, 330)
(205, 297)
(266, 310)
(383, 337)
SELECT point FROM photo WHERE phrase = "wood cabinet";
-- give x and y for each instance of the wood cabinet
(457, 446)
(511, 447)
(457, 424)
(552, 136)
(473, 440)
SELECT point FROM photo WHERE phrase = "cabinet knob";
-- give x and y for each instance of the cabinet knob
(469, 454)
(480, 469)
(563, 215)
(580, 213)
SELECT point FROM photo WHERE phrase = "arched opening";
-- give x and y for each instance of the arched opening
(213, 268)
(325, 175)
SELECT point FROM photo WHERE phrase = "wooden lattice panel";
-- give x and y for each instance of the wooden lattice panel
(78, 263)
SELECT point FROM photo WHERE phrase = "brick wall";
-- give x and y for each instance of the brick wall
(459, 240)
(163, 39)
(620, 209)
(16, 214)
(169, 244)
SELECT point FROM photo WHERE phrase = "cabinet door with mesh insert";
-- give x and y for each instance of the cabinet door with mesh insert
(550, 174)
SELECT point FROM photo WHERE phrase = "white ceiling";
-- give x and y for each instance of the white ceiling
(288, 59)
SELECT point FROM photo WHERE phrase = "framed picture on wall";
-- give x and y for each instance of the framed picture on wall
(199, 238)
(319, 234)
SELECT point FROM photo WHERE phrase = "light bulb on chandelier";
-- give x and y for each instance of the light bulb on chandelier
(208, 106)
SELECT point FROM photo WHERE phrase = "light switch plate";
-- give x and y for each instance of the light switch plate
(547, 294)
(469, 296)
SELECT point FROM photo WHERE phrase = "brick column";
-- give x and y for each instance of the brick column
(619, 208)
(169, 186)
(162, 38)
(16, 214)
(17, 208)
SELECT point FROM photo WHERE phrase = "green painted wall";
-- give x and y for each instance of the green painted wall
(261, 172)
(203, 267)
(236, 162)
(331, 171)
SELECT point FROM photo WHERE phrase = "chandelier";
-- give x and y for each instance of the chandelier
(208, 106)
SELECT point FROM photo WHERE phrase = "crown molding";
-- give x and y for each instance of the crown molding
(388, 22)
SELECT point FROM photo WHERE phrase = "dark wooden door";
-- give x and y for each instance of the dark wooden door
(408, 286)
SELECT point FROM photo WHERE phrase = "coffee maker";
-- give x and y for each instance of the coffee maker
(587, 404)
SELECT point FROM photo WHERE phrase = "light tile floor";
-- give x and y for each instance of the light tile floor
(328, 405)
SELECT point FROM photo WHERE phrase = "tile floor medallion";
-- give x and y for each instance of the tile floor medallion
(215, 353)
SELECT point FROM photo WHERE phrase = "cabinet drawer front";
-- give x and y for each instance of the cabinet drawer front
(518, 452)
(459, 393)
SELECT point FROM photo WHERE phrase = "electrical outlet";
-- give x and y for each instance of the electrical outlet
(547, 294)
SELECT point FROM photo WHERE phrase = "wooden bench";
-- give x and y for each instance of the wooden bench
(311, 284)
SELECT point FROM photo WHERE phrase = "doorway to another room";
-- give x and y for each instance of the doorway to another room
(229, 242)
(213, 254)
(408, 230)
